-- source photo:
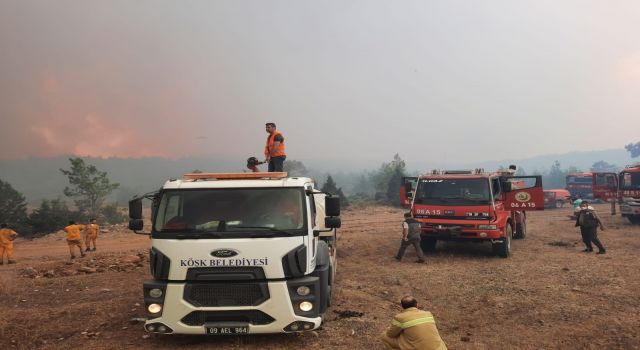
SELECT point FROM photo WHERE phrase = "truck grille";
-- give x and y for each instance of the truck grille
(254, 317)
(226, 294)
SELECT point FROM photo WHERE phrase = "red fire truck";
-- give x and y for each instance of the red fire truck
(474, 206)
(623, 188)
(579, 185)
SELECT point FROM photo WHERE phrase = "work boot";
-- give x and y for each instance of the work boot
(397, 258)
(587, 250)
(600, 252)
(88, 249)
(12, 261)
(420, 261)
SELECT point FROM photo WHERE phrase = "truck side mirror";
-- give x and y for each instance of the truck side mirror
(332, 205)
(332, 222)
(136, 224)
(135, 209)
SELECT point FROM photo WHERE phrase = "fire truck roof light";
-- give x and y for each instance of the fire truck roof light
(234, 176)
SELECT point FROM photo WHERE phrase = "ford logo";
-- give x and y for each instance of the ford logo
(224, 253)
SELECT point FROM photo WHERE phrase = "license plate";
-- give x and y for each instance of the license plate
(227, 330)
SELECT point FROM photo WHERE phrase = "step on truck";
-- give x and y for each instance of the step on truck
(623, 188)
(238, 253)
(474, 206)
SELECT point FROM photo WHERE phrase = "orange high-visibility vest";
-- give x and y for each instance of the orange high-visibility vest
(73, 232)
(276, 152)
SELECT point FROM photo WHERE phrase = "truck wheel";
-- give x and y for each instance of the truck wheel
(428, 244)
(521, 230)
(503, 249)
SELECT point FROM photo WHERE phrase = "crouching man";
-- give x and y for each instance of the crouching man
(413, 329)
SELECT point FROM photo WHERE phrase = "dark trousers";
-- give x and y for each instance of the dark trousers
(590, 235)
(276, 164)
(416, 244)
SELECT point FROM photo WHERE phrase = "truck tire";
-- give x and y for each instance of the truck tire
(428, 244)
(503, 249)
(521, 230)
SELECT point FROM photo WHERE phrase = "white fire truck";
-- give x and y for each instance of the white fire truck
(239, 253)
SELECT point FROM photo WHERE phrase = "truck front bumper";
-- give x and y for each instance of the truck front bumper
(276, 314)
(453, 233)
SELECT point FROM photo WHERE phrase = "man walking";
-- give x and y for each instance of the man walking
(411, 229)
(74, 238)
(589, 221)
(91, 234)
(274, 150)
(413, 329)
(7, 236)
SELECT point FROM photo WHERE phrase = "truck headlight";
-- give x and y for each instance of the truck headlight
(303, 290)
(154, 308)
(487, 227)
(306, 306)
(155, 293)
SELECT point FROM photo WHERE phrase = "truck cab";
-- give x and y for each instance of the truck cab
(623, 187)
(239, 253)
(580, 185)
(473, 206)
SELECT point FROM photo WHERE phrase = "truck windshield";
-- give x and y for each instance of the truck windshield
(579, 179)
(453, 192)
(630, 181)
(216, 213)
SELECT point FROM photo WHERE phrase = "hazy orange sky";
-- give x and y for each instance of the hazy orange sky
(432, 80)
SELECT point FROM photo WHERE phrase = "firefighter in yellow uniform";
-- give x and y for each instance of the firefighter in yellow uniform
(413, 329)
(7, 236)
(74, 238)
(91, 234)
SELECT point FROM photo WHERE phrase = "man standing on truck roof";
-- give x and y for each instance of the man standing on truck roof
(7, 236)
(589, 222)
(91, 234)
(411, 230)
(74, 238)
(413, 329)
(274, 150)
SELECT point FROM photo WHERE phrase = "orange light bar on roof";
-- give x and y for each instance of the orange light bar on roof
(229, 176)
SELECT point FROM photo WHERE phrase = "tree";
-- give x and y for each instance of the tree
(13, 208)
(295, 168)
(555, 178)
(331, 187)
(393, 187)
(602, 166)
(52, 216)
(89, 186)
(113, 214)
(382, 179)
(634, 149)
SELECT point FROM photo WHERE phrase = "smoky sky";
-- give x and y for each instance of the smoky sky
(431, 80)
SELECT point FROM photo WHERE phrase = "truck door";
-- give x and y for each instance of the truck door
(407, 188)
(523, 192)
(605, 186)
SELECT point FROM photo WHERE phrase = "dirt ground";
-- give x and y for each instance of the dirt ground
(548, 295)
